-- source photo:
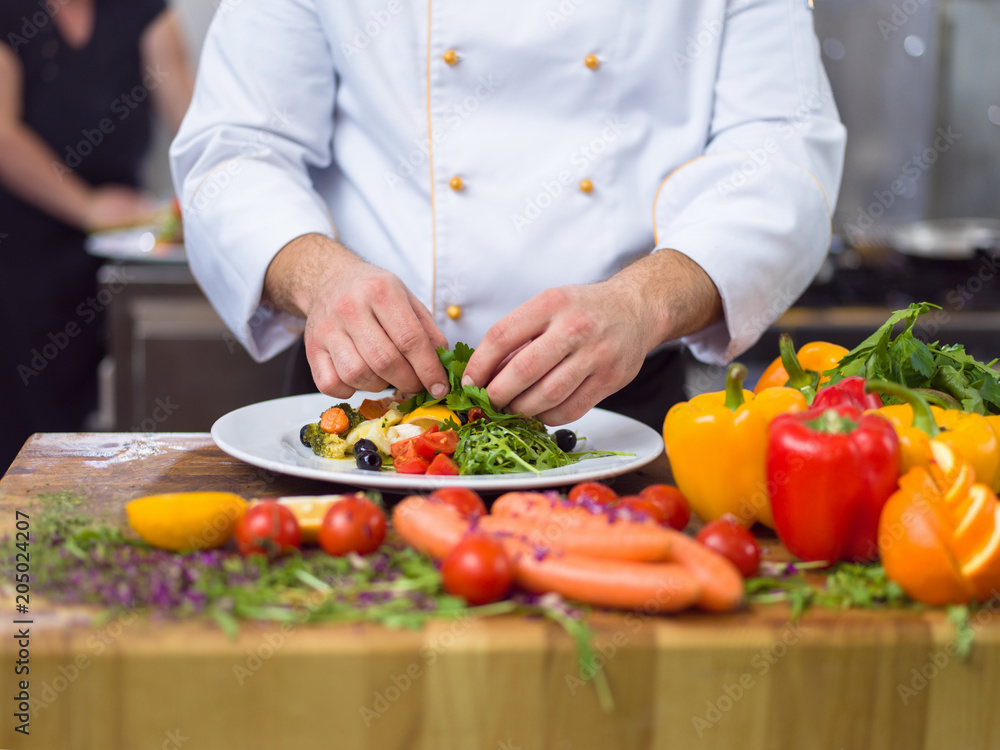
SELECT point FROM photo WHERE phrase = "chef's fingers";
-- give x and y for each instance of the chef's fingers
(407, 359)
(506, 336)
(427, 321)
(324, 373)
(528, 368)
(555, 387)
(590, 393)
(353, 364)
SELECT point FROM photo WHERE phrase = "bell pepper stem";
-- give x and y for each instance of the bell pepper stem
(798, 377)
(735, 375)
(923, 418)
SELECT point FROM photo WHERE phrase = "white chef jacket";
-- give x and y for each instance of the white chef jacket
(484, 152)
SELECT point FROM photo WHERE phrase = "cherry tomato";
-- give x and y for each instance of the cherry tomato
(642, 506)
(466, 502)
(430, 444)
(268, 528)
(408, 461)
(478, 570)
(593, 492)
(354, 524)
(442, 465)
(675, 506)
(476, 413)
(733, 542)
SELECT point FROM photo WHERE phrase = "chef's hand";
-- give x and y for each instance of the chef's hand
(364, 329)
(114, 206)
(561, 352)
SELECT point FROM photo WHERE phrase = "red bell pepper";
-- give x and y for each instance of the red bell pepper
(830, 472)
(849, 391)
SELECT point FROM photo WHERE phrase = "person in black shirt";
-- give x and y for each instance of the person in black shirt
(77, 81)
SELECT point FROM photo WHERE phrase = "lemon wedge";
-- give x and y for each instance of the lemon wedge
(428, 416)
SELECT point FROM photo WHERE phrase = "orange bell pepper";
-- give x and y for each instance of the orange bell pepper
(939, 533)
(971, 436)
(806, 367)
(717, 445)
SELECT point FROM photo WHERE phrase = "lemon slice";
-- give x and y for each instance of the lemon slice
(179, 521)
(428, 416)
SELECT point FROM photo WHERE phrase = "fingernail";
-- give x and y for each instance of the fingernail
(439, 390)
(466, 380)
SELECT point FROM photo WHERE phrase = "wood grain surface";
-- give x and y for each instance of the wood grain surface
(838, 680)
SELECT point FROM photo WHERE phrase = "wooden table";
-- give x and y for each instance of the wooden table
(852, 680)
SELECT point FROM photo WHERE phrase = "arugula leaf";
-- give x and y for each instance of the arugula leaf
(908, 360)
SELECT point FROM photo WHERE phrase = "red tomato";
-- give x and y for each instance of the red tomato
(733, 542)
(674, 505)
(443, 465)
(408, 461)
(594, 492)
(430, 444)
(641, 505)
(466, 502)
(268, 528)
(478, 570)
(475, 413)
(355, 524)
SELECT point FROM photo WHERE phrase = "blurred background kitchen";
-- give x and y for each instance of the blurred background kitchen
(918, 86)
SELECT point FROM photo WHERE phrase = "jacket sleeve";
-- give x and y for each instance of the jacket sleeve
(754, 210)
(261, 118)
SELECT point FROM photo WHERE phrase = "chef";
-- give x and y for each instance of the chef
(576, 188)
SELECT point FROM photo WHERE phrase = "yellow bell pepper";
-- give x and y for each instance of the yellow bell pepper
(717, 443)
(971, 436)
(800, 370)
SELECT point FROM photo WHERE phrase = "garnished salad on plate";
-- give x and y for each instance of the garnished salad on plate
(459, 434)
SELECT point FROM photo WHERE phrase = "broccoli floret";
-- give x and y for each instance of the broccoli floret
(324, 444)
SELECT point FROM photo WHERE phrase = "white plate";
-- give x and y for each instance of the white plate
(134, 244)
(267, 435)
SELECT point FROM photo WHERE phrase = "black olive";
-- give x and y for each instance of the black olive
(364, 445)
(368, 461)
(565, 440)
(302, 436)
(463, 417)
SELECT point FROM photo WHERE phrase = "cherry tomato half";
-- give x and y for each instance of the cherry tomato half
(594, 492)
(467, 502)
(733, 542)
(355, 524)
(430, 444)
(674, 505)
(442, 465)
(478, 570)
(268, 528)
(407, 460)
